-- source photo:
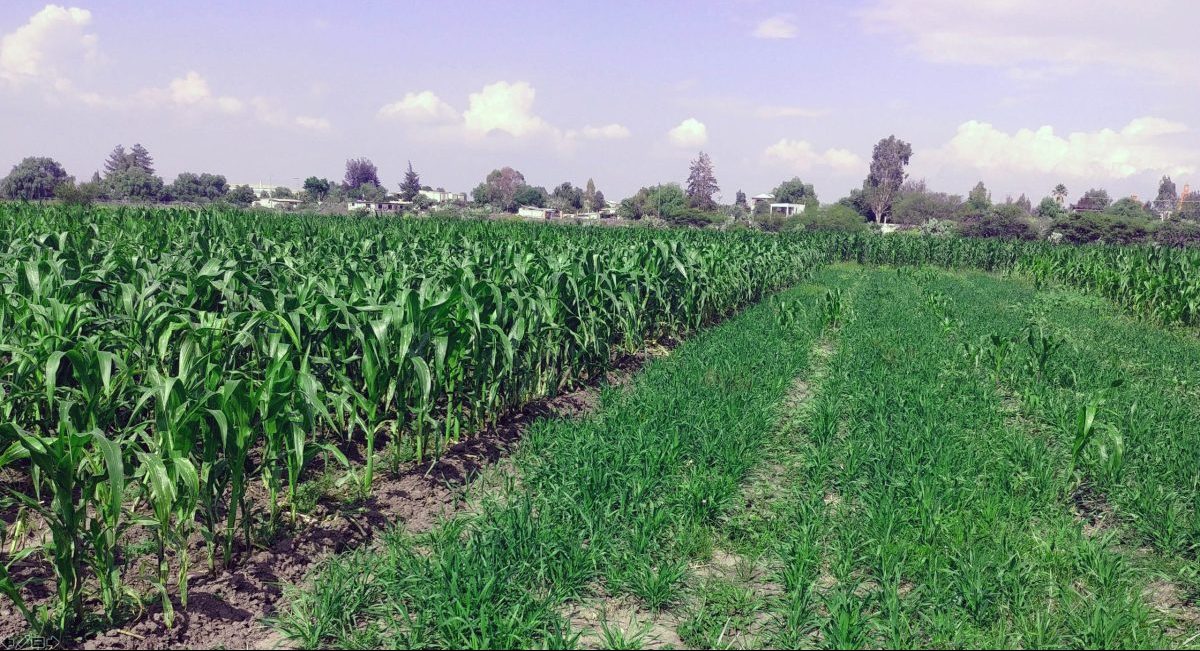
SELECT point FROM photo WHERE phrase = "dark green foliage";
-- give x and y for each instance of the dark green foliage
(33, 179)
(1006, 222)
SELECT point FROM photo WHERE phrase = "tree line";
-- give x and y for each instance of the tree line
(129, 175)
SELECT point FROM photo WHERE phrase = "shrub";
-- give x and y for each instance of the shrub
(1006, 222)
(1087, 227)
(1177, 233)
(836, 217)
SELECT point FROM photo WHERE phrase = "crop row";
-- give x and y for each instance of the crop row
(154, 363)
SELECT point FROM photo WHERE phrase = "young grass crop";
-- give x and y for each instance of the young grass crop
(621, 501)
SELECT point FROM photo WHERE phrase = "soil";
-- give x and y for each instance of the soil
(226, 608)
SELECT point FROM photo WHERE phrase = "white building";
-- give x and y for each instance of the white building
(787, 209)
(441, 196)
(379, 207)
(535, 212)
(285, 204)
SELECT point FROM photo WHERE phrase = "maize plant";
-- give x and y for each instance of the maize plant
(156, 362)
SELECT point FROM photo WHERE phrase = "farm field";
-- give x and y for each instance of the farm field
(832, 440)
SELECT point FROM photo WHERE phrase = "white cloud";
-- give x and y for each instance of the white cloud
(54, 40)
(1144, 145)
(801, 156)
(311, 123)
(781, 26)
(771, 112)
(423, 107)
(192, 90)
(606, 132)
(47, 51)
(1035, 40)
(503, 106)
(690, 133)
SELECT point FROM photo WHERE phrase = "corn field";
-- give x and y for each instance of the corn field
(154, 362)
(1157, 282)
(156, 365)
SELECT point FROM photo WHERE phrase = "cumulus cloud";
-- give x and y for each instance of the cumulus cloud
(1034, 40)
(781, 26)
(503, 106)
(53, 40)
(423, 107)
(48, 50)
(801, 156)
(690, 133)
(1146, 144)
(192, 90)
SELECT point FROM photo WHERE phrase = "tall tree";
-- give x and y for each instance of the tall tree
(589, 196)
(979, 199)
(117, 161)
(887, 174)
(316, 188)
(411, 187)
(567, 197)
(1060, 194)
(34, 178)
(141, 159)
(1167, 198)
(499, 189)
(740, 199)
(702, 183)
(360, 171)
(1025, 204)
(598, 202)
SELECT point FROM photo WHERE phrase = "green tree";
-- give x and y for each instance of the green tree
(134, 184)
(360, 171)
(499, 189)
(1050, 209)
(242, 195)
(1168, 198)
(316, 188)
(34, 178)
(1129, 208)
(567, 197)
(589, 196)
(979, 199)
(887, 174)
(740, 199)
(410, 188)
(1094, 199)
(702, 183)
(796, 191)
(528, 195)
(189, 186)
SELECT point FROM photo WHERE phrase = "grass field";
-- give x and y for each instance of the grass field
(836, 441)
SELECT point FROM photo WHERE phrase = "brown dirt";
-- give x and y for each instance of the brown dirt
(624, 616)
(226, 608)
(1093, 511)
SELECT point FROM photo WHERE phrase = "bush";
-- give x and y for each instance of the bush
(1088, 227)
(694, 217)
(1177, 234)
(832, 218)
(1006, 222)
(70, 194)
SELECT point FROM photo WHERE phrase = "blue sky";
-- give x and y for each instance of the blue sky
(1018, 93)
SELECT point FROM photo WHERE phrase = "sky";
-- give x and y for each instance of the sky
(1022, 94)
